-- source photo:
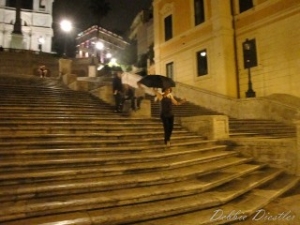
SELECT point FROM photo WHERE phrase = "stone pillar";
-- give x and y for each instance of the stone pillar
(65, 66)
(16, 35)
(223, 47)
(212, 127)
(92, 71)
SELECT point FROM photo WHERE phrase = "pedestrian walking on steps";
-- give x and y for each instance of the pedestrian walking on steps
(139, 95)
(167, 101)
(128, 99)
(117, 90)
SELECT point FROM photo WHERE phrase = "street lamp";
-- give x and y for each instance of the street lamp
(249, 61)
(66, 26)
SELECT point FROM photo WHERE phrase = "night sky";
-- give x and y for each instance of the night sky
(118, 20)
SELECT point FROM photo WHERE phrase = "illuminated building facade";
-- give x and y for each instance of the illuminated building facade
(36, 22)
(229, 46)
(112, 44)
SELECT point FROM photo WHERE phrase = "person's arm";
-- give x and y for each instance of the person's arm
(175, 102)
(158, 95)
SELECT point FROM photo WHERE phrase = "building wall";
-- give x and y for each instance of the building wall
(36, 24)
(215, 35)
(142, 32)
(272, 23)
(276, 29)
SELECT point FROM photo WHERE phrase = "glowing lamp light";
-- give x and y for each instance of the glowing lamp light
(99, 45)
(66, 25)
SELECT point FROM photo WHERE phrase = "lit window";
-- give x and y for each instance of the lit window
(169, 69)
(202, 68)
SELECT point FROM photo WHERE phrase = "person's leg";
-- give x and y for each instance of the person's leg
(170, 124)
(117, 102)
(165, 122)
(138, 103)
(133, 106)
(121, 101)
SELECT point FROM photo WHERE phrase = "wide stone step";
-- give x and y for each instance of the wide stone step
(83, 129)
(113, 124)
(19, 97)
(57, 143)
(59, 112)
(260, 126)
(150, 207)
(84, 159)
(289, 134)
(31, 173)
(27, 138)
(252, 121)
(244, 207)
(113, 118)
(116, 149)
(56, 204)
(43, 107)
(58, 103)
(124, 153)
(105, 181)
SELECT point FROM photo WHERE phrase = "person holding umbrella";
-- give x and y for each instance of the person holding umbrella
(167, 101)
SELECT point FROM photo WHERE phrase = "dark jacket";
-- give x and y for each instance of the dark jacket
(117, 84)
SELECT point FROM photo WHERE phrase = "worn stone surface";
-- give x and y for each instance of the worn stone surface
(282, 211)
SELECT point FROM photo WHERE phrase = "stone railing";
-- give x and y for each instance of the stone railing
(98, 88)
(249, 108)
(25, 62)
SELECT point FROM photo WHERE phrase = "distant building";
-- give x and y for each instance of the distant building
(110, 44)
(216, 45)
(36, 21)
(142, 33)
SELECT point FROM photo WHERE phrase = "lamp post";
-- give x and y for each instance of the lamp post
(247, 47)
(66, 26)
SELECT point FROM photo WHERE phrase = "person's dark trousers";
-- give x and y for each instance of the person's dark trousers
(118, 102)
(168, 123)
(133, 105)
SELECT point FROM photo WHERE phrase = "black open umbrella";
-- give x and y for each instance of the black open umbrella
(157, 81)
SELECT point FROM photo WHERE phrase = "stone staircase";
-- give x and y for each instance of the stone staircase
(237, 127)
(66, 158)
